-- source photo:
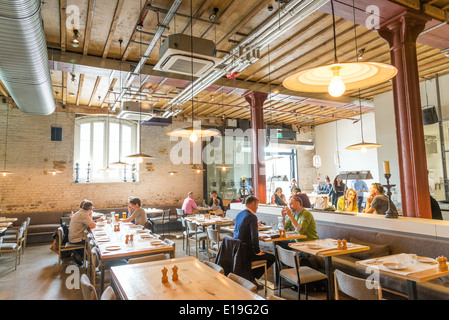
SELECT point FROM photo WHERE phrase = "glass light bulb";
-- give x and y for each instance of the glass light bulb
(363, 149)
(139, 159)
(4, 174)
(336, 86)
(171, 173)
(198, 171)
(193, 137)
(224, 169)
(54, 173)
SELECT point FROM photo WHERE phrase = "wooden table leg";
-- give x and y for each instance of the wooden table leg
(411, 289)
(329, 273)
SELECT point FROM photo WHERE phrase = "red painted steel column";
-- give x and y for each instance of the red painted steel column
(256, 100)
(401, 33)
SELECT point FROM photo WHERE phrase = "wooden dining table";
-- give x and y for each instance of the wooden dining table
(112, 244)
(196, 281)
(327, 249)
(414, 273)
(4, 226)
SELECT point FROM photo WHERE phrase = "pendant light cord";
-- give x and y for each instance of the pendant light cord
(191, 49)
(355, 32)
(335, 35)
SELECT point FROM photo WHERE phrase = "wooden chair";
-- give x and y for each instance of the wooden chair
(14, 246)
(68, 246)
(185, 233)
(194, 236)
(243, 282)
(214, 266)
(90, 293)
(261, 264)
(11, 236)
(163, 220)
(213, 242)
(356, 287)
(296, 274)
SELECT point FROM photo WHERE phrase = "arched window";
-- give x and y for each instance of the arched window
(100, 141)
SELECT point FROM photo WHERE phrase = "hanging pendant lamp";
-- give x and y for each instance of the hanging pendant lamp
(362, 146)
(119, 162)
(338, 77)
(140, 156)
(194, 132)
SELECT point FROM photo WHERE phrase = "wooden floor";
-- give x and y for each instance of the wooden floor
(37, 277)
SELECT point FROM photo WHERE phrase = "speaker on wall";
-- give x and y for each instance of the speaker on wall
(429, 115)
(56, 133)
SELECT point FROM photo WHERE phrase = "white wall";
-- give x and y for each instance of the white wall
(344, 133)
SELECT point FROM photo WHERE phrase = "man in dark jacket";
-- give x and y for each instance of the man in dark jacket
(247, 230)
(215, 196)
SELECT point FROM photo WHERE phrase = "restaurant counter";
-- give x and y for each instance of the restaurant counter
(437, 229)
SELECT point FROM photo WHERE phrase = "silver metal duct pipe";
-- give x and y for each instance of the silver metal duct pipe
(23, 56)
(294, 12)
(160, 29)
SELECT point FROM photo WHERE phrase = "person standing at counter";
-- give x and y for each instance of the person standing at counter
(299, 219)
(338, 190)
(278, 197)
(360, 187)
(349, 204)
(377, 201)
(294, 185)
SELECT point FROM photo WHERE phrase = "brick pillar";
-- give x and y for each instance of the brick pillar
(256, 100)
(401, 33)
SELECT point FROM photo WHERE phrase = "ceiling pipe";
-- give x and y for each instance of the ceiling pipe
(246, 52)
(23, 56)
(143, 59)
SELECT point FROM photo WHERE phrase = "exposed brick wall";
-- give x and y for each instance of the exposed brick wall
(30, 154)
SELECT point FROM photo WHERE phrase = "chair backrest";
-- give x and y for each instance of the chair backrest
(180, 212)
(288, 257)
(213, 235)
(356, 288)
(20, 234)
(155, 257)
(184, 223)
(166, 214)
(28, 220)
(243, 282)
(170, 242)
(108, 294)
(60, 236)
(191, 226)
(94, 259)
(87, 289)
(214, 266)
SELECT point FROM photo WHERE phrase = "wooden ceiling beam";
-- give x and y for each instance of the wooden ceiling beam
(80, 88)
(88, 29)
(107, 45)
(94, 91)
(62, 24)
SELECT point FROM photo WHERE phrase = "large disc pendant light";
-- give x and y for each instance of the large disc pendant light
(338, 77)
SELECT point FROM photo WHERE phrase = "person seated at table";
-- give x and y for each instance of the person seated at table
(81, 221)
(293, 185)
(350, 203)
(305, 198)
(216, 207)
(214, 195)
(189, 204)
(138, 214)
(299, 219)
(377, 201)
(326, 188)
(278, 197)
(246, 229)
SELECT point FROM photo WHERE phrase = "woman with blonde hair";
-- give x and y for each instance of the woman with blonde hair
(350, 203)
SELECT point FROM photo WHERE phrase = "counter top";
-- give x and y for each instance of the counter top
(425, 227)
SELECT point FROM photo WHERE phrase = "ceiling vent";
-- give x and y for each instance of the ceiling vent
(175, 55)
(132, 111)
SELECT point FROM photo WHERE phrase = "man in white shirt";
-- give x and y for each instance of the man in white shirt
(80, 221)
